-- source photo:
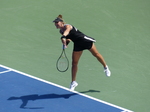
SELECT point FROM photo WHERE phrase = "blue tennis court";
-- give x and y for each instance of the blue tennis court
(21, 92)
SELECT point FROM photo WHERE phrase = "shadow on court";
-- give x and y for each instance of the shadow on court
(34, 97)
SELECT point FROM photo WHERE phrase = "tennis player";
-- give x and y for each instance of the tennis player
(81, 42)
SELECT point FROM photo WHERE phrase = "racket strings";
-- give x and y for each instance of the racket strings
(62, 64)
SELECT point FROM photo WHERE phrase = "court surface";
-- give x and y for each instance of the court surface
(24, 93)
(30, 43)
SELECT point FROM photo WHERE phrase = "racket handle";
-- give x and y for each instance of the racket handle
(64, 47)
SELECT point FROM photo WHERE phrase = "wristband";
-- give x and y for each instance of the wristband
(63, 37)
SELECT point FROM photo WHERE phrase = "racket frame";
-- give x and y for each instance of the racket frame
(62, 53)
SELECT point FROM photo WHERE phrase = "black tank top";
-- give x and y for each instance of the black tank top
(75, 35)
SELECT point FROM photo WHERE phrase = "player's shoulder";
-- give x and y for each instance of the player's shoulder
(68, 26)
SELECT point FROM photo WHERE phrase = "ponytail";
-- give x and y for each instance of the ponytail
(59, 18)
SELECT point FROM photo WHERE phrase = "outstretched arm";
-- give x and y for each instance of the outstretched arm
(66, 32)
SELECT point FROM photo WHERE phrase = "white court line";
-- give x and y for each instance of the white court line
(10, 69)
(5, 71)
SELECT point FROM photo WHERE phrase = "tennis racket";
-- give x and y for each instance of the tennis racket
(62, 64)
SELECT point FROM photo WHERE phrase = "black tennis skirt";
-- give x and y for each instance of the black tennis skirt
(80, 46)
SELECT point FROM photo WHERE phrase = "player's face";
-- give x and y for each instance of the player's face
(58, 25)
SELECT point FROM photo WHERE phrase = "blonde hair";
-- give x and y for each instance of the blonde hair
(60, 17)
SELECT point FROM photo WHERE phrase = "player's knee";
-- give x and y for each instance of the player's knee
(74, 63)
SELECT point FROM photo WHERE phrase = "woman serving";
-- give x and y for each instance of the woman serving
(81, 42)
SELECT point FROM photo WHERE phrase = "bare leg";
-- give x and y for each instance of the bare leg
(99, 57)
(75, 59)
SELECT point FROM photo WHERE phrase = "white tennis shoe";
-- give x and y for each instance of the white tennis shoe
(107, 71)
(73, 85)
